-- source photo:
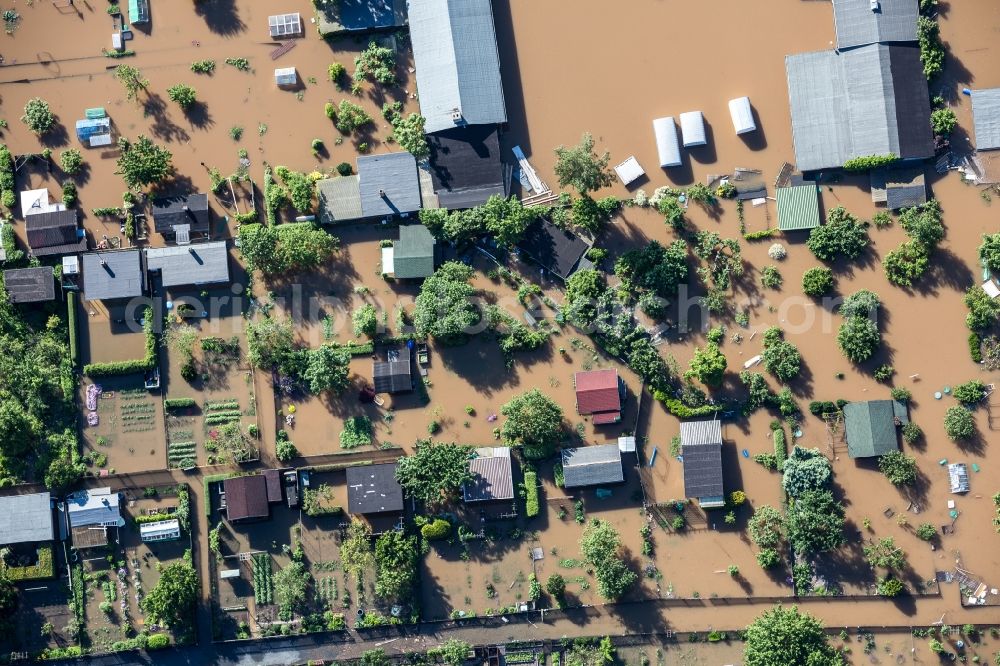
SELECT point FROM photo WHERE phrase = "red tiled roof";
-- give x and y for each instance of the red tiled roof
(597, 391)
(603, 418)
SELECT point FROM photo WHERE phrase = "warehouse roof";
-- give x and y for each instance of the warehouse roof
(986, 118)
(859, 24)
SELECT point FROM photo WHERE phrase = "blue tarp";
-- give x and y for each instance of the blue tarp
(89, 127)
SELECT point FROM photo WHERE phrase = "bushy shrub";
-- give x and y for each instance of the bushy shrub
(531, 505)
(38, 116)
(959, 423)
(438, 528)
(870, 162)
(943, 121)
(912, 433)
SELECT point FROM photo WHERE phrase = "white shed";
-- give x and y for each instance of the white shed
(693, 129)
(286, 76)
(742, 114)
(629, 170)
(667, 146)
(160, 530)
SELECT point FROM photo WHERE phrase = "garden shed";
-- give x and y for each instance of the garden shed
(25, 518)
(798, 207)
(592, 465)
(599, 394)
(492, 476)
(701, 451)
(693, 129)
(742, 115)
(668, 147)
(111, 275)
(986, 118)
(871, 427)
(180, 265)
(373, 489)
(286, 77)
(30, 285)
(629, 171)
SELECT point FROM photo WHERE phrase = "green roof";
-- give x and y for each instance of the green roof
(798, 207)
(413, 253)
(138, 11)
(871, 427)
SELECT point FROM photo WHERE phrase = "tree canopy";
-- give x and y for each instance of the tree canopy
(408, 132)
(601, 546)
(38, 116)
(327, 369)
(535, 422)
(817, 281)
(355, 550)
(708, 365)
(580, 167)
(781, 358)
(654, 268)
(959, 423)
(444, 307)
(782, 637)
(142, 162)
(396, 557)
(989, 251)
(285, 248)
(766, 526)
(805, 469)
(435, 472)
(858, 338)
(884, 554)
(131, 79)
(815, 522)
(291, 585)
(899, 468)
(843, 235)
(173, 598)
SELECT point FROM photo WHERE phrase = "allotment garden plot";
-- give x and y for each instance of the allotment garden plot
(122, 425)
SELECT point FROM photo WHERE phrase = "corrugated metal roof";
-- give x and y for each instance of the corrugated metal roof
(867, 101)
(458, 67)
(109, 275)
(592, 465)
(492, 476)
(694, 433)
(204, 263)
(858, 25)
(597, 391)
(98, 506)
(25, 518)
(339, 199)
(389, 184)
(702, 468)
(871, 428)
(798, 207)
(986, 118)
(413, 253)
(30, 285)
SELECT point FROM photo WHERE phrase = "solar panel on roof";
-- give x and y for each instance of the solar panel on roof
(284, 25)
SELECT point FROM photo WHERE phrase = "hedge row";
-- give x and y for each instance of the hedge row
(531, 494)
(154, 518)
(682, 411)
(74, 354)
(179, 403)
(117, 368)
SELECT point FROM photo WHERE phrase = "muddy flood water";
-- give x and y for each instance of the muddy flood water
(568, 68)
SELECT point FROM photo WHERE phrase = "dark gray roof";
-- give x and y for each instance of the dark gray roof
(54, 233)
(413, 253)
(465, 165)
(246, 498)
(870, 427)
(858, 25)
(373, 489)
(702, 468)
(30, 285)
(388, 184)
(458, 67)
(181, 209)
(359, 15)
(986, 118)
(899, 188)
(339, 199)
(592, 465)
(872, 100)
(555, 249)
(393, 375)
(25, 518)
(110, 275)
(492, 476)
(202, 263)
(701, 432)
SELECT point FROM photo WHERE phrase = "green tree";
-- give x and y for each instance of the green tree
(781, 358)
(131, 79)
(923, 223)
(505, 219)
(327, 369)
(63, 473)
(815, 522)
(286, 248)
(817, 281)
(758, 392)
(38, 116)
(708, 365)
(601, 546)
(959, 423)
(654, 268)
(435, 473)
(535, 422)
(983, 310)
(843, 235)
(71, 161)
(143, 163)
(184, 95)
(396, 558)
(858, 338)
(862, 303)
(583, 289)
(899, 468)
(926, 531)
(349, 117)
(989, 251)
(377, 63)
(356, 553)
(172, 599)
(269, 343)
(556, 586)
(646, 361)
(9, 597)
(804, 470)
(943, 121)
(444, 308)
(722, 258)
(408, 132)
(582, 168)
(766, 526)
(376, 656)
(365, 320)
(301, 188)
(291, 585)
(906, 263)
(782, 637)
(970, 392)
(884, 554)
(452, 652)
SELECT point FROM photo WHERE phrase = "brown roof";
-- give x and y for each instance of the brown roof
(51, 229)
(246, 497)
(273, 479)
(597, 393)
(90, 536)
